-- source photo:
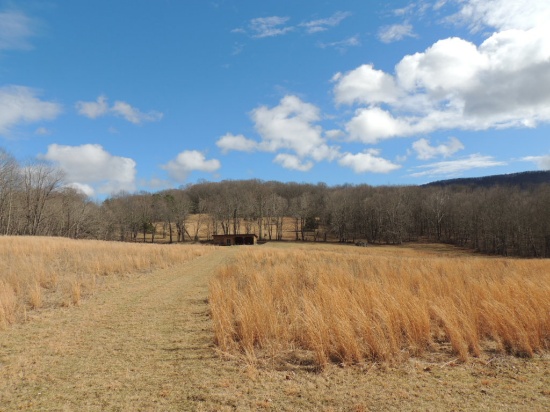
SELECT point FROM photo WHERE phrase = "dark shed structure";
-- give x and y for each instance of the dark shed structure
(232, 240)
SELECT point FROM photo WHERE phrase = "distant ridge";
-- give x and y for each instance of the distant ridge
(523, 180)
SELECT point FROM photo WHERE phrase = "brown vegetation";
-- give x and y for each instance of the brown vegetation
(349, 305)
(40, 272)
(145, 343)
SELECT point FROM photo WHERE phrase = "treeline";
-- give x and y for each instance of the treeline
(521, 179)
(503, 220)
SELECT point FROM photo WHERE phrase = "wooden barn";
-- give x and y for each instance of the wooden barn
(234, 240)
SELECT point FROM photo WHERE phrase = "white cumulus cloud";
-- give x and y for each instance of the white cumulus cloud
(368, 161)
(425, 151)
(122, 109)
(19, 104)
(503, 82)
(542, 162)
(375, 124)
(292, 162)
(291, 128)
(91, 167)
(292, 125)
(95, 109)
(188, 161)
(239, 143)
(84, 188)
(503, 14)
(365, 85)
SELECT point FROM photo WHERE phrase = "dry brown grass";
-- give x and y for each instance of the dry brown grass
(49, 272)
(347, 305)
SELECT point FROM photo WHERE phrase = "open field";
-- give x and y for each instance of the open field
(146, 342)
(38, 272)
(347, 305)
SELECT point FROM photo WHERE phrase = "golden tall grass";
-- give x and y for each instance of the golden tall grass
(38, 272)
(379, 304)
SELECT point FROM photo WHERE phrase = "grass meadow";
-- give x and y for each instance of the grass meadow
(336, 304)
(48, 272)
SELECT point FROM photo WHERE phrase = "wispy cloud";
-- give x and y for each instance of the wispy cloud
(237, 49)
(342, 45)
(456, 167)
(395, 32)
(269, 26)
(315, 26)
(16, 29)
(122, 109)
(273, 26)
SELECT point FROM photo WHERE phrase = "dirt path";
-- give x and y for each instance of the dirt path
(146, 344)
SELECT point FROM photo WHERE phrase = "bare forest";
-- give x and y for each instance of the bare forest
(511, 220)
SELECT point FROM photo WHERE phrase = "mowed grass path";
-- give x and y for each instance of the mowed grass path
(141, 345)
(147, 344)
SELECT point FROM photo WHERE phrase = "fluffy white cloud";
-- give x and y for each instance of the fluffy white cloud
(292, 162)
(19, 104)
(425, 151)
(448, 67)
(122, 109)
(91, 166)
(84, 188)
(93, 109)
(395, 32)
(542, 162)
(503, 82)
(456, 167)
(374, 124)
(187, 162)
(365, 85)
(291, 125)
(15, 30)
(315, 26)
(239, 143)
(368, 161)
(504, 14)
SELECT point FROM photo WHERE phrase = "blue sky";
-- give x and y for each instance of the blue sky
(152, 94)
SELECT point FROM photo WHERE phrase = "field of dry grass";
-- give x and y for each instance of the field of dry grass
(146, 341)
(50, 272)
(333, 304)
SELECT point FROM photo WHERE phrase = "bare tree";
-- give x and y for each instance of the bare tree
(40, 180)
(9, 182)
